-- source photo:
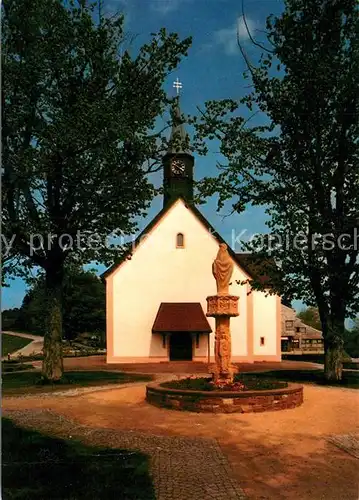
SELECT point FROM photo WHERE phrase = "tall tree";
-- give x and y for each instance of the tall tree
(302, 164)
(79, 116)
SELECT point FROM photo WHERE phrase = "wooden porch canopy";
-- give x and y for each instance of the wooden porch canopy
(181, 317)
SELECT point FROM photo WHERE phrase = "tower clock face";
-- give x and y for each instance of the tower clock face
(177, 167)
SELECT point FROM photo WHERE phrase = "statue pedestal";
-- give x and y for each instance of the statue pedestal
(222, 307)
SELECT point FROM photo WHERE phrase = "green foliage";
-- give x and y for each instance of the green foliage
(83, 304)
(78, 126)
(302, 164)
(9, 319)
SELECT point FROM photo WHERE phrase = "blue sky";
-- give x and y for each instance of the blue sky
(212, 70)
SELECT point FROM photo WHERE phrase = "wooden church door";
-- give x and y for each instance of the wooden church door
(181, 346)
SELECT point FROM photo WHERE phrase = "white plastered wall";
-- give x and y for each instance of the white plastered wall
(265, 317)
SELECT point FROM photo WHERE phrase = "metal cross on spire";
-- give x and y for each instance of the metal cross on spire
(177, 85)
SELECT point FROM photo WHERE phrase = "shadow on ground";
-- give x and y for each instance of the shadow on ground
(37, 466)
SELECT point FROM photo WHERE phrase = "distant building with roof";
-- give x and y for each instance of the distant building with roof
(296, 336)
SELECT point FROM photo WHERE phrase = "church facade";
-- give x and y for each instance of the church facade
(156, 296)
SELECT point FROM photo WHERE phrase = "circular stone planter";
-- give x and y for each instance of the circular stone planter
(225, 401)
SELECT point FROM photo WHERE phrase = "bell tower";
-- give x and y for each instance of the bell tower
(178, 162)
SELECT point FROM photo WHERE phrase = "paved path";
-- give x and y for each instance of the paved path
(25, 335)
(34, 347)
(182, 468)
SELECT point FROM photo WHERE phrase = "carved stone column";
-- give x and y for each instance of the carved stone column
(222, 307)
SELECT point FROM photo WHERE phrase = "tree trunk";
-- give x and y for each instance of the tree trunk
(333, 348)
(52, 366)
(333, 365)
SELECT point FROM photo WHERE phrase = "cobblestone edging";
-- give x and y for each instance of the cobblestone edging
(225, 402)
(347, 442)
(181, 468)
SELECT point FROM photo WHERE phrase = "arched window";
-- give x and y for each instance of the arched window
(180, 240)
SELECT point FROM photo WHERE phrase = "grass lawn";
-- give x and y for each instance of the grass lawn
(36, 466)
(30, 382)
(350, 378)
(11, 343)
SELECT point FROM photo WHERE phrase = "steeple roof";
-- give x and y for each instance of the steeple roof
(179, 135)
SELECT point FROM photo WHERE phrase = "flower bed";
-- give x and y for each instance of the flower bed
(234, 399)
(242, 382)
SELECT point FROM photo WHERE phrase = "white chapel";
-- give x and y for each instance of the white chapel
(156, 296)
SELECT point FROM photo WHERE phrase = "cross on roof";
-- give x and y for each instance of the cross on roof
(177, 85)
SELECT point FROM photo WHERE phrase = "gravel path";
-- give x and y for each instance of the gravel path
(182, 468)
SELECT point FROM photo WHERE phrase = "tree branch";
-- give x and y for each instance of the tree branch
(250, 35)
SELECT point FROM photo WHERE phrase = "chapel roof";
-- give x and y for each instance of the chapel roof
(181, 317)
